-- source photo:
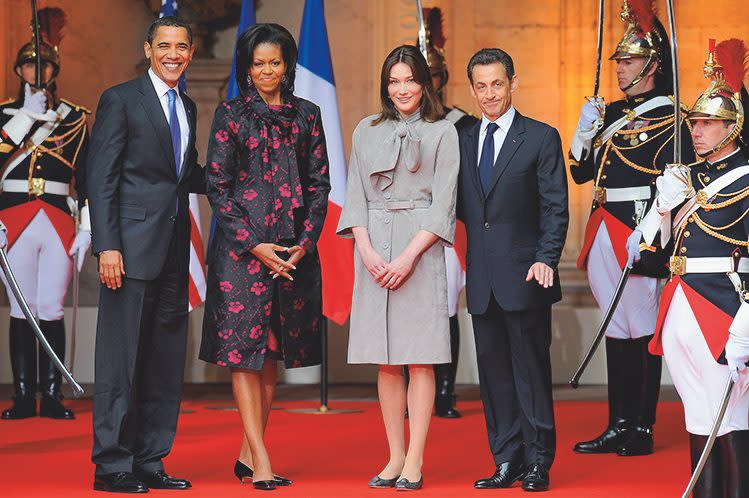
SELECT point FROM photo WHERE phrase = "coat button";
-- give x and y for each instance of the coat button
(386, 221)
(687, 234)
(486, 225)
(683, 250)
(385, 245)
(387, 195)
(172, 219)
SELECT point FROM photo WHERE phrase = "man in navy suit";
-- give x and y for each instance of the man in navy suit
(513, 200)
(143, 146)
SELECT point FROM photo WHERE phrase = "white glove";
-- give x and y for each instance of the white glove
(633, 248)
(81, 245)
(35, 103)
(674, 187)
(3, 236)
(591, 114)
(737, 354)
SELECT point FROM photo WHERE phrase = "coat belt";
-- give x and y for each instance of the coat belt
(604, 195)
(400, 205)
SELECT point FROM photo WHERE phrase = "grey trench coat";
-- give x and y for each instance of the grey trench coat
(402, 178)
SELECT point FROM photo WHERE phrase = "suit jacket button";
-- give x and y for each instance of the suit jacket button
(486, 225)
(172, 219)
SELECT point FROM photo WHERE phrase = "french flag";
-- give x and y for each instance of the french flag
(314, 82)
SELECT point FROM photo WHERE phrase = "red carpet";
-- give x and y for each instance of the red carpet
(335, 455)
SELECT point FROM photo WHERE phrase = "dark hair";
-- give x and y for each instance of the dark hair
(487, 56)
(430, 108)
(272, 33)
(171, 21)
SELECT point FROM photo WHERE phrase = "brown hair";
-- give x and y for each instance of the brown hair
(430, 108)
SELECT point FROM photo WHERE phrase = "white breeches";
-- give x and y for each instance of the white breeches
(637, 312)
(456, 280)
(699, 379)
(42, 268)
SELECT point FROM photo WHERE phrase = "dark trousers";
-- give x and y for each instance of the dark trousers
(515, 377)
(141, 341)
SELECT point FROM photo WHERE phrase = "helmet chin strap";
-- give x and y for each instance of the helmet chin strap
(642, 73)
(726, 141)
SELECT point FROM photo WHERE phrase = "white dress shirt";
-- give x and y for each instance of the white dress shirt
(161, 92)
(504, 122)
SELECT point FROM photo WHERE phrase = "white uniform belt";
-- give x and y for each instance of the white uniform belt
(36, 186)
(398, 205)
(681, 265)
(603, 195)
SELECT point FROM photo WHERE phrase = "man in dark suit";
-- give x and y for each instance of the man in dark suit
(513, 200)
(143, 150)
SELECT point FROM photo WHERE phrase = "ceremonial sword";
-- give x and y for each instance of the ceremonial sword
(13, 284)
(422, 31)
(37, 46)
(711, 439)
(600, 48)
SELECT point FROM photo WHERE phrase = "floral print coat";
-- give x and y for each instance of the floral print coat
(267, 181)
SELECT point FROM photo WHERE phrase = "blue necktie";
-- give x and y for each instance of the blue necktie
(486, 163)
(174, 129)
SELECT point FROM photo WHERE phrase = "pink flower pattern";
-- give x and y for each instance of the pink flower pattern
(249, 189)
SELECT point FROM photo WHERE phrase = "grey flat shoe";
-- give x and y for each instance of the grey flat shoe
(379, 482)
(406, 485)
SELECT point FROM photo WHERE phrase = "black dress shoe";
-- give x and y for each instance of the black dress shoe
(379, 482)
(162, 480)
(537, 478)
(119, 482)
(404, 484)
(244, 474)
(608, 442)
(506, 474)
(640, 442)
(264, 485)
(23, 407)
(51, 406)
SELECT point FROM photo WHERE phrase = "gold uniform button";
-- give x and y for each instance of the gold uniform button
(690, 219)
(38, 167)
(683, 250)
(707, 178)
(603, 177)
(687, 234)
(608, 163)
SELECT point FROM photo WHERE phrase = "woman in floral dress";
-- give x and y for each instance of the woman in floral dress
(267, 181)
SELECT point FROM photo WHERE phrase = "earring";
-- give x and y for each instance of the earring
(249, 81)
(284, 81)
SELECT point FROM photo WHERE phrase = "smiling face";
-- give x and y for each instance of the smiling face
(492, 89)
(267, 70)
(708, 133)
(403, 90)
(170, 53)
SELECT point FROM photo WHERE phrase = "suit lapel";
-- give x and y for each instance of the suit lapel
(155, 112)
(472, 139)
(513, 140)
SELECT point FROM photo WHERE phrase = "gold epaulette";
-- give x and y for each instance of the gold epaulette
(77, 107)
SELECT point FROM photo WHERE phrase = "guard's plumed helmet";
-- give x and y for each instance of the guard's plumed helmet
(51, 22)
(645, 37)
(725, 67)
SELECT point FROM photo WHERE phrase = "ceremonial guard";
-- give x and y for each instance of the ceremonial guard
(444, 402)
(622, 148)
(703, 319)
(42, 150)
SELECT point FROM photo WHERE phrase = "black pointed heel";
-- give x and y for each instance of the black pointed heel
(244, 474)
(264, 485)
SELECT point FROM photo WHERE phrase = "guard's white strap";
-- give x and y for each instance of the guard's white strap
(740, 324)
(85, 222)
(627, 194)
(638, 111)
(22, 186)
(724, 264)
(724, 181)
(39, 136)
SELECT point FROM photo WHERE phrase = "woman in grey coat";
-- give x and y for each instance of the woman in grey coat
(400, 209)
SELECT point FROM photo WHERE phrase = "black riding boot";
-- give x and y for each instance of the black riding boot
(643, 389)
(735, 459)
(710, 484)
(444, 400)
(23, 364)
(619, 426)
(50, 379)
